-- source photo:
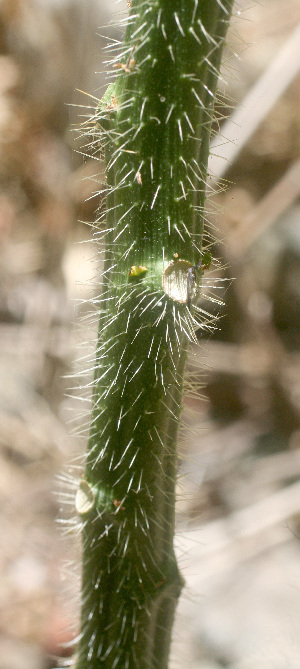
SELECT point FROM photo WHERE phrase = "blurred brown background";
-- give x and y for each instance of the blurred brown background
(239, 490)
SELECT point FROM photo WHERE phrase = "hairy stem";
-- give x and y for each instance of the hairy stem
(154, 122)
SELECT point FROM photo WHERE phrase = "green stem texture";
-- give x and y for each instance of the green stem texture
(154, 122)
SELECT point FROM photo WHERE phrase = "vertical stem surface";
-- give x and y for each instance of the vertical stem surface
(154, 121)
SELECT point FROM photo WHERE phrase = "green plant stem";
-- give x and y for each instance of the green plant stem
(155, 123)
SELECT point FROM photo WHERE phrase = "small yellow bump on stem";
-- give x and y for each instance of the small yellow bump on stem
(137, 271)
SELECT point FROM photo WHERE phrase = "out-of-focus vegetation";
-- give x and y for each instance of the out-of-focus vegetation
(241, 446)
